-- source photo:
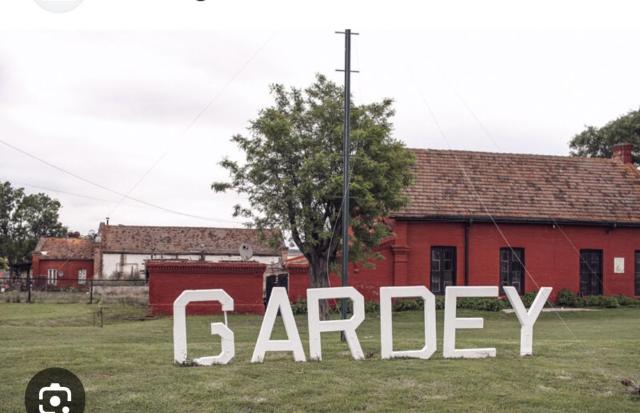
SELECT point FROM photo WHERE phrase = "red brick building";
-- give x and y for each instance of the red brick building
(523, 220)
(529, 221)
(62, 262)
(477, 218)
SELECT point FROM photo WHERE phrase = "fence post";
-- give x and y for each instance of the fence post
(91, 292)
(28, 288)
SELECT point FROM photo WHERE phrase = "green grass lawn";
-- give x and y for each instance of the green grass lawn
(126, 366)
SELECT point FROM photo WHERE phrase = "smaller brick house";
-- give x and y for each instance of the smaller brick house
(62, 262)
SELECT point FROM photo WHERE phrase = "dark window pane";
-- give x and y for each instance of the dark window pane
(512, 268)
(591, 272)
(443, 268)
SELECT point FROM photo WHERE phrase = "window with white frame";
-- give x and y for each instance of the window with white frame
(82, 276)
(52, 276)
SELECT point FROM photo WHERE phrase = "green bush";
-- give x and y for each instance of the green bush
(371, 307)
(592, 301)
(483, 304)
(408, 304)
(610, 302)
(601, 301)
(625, 301)
(529, 297)
(299, 307)
(567, 298)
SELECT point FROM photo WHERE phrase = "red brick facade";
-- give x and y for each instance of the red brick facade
(552, 254)
(242, 281)
(67, 272)
(551, 258)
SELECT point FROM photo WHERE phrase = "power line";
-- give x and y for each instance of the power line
(106, 188)
(494, 141)
(479, 199)
(236, 74)
(59, 191)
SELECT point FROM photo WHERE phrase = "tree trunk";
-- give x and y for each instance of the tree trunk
(319, 278)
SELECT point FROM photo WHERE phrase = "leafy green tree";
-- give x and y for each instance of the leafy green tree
(24, 219)
(598, 142)
(292, 176)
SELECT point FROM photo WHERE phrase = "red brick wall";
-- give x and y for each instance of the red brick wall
(69, 268)
(366, 279)
(550, 259)
(242, 281)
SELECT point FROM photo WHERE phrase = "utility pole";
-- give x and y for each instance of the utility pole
(346, 152)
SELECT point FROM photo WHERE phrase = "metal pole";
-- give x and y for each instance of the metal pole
(91, 292)
(346, 151)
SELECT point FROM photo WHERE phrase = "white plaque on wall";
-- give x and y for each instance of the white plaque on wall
(618, 265)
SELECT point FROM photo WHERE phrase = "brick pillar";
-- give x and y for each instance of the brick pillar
(400, 254)
(35, 265)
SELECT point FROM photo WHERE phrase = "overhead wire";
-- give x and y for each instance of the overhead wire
(106, 188)
(488, 133)
(479, 199)
(194, 120)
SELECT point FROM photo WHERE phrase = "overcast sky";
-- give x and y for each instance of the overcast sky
(109, 106)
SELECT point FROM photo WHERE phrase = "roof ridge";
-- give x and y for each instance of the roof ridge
(184, 227)
(528, 155)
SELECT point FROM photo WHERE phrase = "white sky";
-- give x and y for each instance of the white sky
(106, 90)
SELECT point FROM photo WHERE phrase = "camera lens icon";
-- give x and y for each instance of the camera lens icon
(55, 394)
(55, 390)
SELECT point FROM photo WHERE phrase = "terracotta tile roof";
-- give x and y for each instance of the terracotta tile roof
(65, 248)
(522, 187)
(182, 240)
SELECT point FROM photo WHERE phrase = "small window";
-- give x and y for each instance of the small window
(82, 277)
(443, 269)
(591, 272)
(52, 276)
(512, 268)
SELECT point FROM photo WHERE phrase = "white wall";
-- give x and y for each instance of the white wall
(134, 263)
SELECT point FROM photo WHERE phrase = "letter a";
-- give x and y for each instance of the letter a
(278, 301)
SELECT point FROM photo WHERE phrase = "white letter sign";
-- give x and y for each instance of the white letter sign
(451, 323)
(386, 321)
(527, 319)
(314, 295)
(180, 326)
(278, 300)
(279, 303)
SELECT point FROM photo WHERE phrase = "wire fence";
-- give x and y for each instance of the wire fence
(31, 289)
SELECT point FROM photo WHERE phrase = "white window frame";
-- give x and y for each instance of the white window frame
(82, 276)
(52, 276)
